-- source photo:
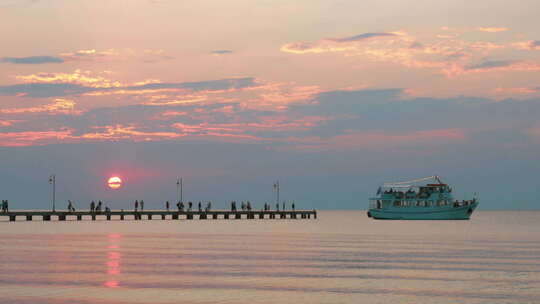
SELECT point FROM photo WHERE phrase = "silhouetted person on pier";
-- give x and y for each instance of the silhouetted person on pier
(182, 206)
(292, 206)
(136, 205)
(190, 205)
(248, 206)
(70, 206)
(142, 205)
(200, 207)
(5, 206)
(167, 205)
(232, 206)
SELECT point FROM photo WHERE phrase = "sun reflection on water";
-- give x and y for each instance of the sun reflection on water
(113, 262)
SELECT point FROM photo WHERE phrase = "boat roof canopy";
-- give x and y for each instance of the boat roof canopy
(410, 184)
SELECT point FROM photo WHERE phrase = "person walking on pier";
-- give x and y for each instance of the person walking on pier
(92, 207)
(136, 205)
(248, 206)
(70, 206)
(142, 205)
(292, 206)
(5, 206)
(167, 205)
(190, 205)
(200, 207)
(283, 205)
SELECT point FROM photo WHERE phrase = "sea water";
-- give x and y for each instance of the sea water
(342, 257)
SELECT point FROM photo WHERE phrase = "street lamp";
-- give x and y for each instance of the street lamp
(52, 181)
(179, 188)
(276, 187)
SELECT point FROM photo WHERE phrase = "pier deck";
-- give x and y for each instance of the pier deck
(121, 215)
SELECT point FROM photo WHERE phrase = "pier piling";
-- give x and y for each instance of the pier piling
(154, 214)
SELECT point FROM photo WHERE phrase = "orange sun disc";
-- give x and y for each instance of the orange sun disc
(114, 182)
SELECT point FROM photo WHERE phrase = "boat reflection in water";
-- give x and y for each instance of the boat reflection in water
(410, 201)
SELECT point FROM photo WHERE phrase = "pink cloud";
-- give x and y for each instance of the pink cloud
(340, 44)
(118, 132)
(86, 78)
(146, 55)
(30, 138)
(518, 90)
(493, 29)
(6, 123)
(528, 45)
(59, 106)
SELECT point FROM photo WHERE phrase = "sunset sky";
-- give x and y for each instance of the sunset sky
(330, 97)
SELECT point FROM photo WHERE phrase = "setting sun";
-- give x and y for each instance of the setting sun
(114, 182)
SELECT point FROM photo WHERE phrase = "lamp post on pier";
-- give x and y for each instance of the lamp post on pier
(179, 189)
(52, 181)
(276, 187)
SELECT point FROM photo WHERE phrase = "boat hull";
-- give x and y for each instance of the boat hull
(452, 213)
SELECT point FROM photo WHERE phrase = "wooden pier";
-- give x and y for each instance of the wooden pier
(156, 214)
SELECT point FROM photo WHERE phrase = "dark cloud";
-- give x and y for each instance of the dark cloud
(392, 110)
(32, 60)
(490, 64)
(212, 85)
(416, 45)
(362, 37)
(534, 44)
(221, 52)
(44, 90)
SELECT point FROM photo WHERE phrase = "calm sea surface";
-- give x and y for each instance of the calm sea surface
(343, 257)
